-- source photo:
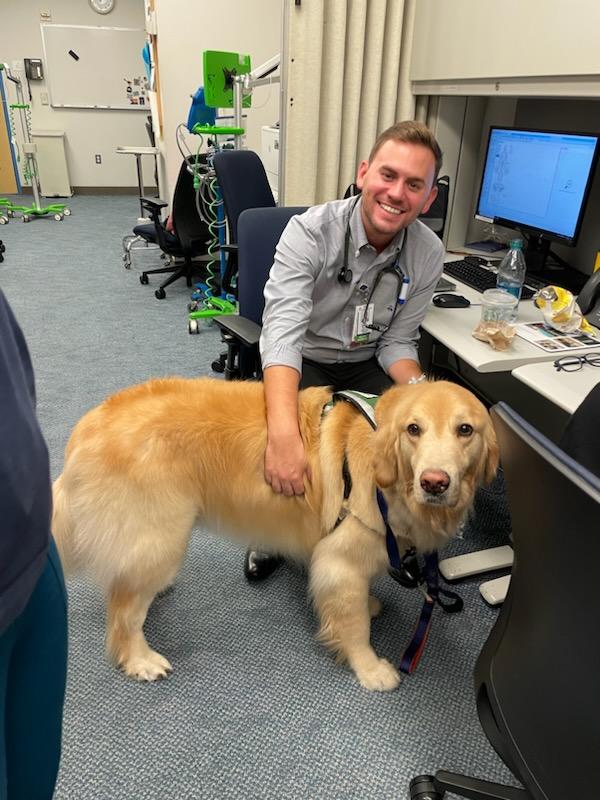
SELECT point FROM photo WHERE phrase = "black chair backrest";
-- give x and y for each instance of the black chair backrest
(537, 675)
(259, 231)
(150, 131)
(243, 183)
(435, 218)
(190, 229)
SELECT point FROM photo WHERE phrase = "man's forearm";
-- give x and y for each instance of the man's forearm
(281, 397)
(404, 369)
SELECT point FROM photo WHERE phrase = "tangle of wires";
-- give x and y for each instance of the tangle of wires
(208, 203)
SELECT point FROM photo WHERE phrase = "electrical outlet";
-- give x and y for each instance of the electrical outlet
(44, 99)
(98, 158)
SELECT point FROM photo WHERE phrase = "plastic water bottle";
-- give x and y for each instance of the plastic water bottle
(511, 272)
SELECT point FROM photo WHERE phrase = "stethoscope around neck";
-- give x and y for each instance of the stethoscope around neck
(345, 276)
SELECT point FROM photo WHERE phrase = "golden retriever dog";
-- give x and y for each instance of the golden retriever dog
(146, 464)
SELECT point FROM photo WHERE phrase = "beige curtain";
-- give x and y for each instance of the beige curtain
(345, 80)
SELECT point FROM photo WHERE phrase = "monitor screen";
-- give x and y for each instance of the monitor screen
(538, 181)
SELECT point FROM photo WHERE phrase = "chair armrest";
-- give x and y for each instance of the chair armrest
(153, 202)
(244, 330)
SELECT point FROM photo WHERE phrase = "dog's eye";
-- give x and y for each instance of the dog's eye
(465, 430)
(413, 429)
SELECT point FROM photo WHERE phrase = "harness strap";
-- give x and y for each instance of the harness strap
(363, 401)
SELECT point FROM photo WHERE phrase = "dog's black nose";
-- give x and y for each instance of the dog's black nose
(435, 481)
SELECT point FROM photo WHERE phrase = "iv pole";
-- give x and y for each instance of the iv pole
(29, 150)
(261, 76)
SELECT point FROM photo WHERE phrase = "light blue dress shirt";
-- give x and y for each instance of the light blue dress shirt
(310, 313)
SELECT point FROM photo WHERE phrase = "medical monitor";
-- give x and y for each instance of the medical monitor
(537, 182)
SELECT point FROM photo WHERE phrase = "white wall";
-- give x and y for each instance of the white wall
(88, 131)
(186, 28)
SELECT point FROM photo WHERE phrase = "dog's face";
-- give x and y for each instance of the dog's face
(435, 441)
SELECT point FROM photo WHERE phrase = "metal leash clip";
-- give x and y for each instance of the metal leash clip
(408, 573)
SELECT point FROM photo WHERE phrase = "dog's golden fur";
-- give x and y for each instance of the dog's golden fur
(143, 466)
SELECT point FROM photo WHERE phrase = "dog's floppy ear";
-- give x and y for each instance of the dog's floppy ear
(491, 454)
(385, 461)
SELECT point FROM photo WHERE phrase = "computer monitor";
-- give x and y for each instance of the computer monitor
(538, 182)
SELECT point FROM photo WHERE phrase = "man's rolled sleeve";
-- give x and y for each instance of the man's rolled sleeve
(288, 296)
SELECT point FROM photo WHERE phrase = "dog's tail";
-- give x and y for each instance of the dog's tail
(63, 528)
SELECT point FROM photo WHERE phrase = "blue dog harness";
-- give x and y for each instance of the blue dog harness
(405, 569)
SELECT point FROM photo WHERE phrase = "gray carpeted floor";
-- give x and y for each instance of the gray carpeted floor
(255, 707)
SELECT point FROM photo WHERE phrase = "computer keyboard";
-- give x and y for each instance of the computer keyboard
(471, 270)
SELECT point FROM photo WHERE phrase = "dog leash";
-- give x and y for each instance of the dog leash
(405, 569)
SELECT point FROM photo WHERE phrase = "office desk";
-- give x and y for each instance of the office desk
(447, 344)
(453, 328)
(566, 389)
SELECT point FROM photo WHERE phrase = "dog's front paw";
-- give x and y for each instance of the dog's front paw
(378, 676)
(148, 667)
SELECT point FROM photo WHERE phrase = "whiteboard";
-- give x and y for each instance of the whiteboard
(94, 67)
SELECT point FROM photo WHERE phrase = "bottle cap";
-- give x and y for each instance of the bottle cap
(516, 244)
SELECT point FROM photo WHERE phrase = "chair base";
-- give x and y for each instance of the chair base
(186, 270)
(132, 243)
(427, 787)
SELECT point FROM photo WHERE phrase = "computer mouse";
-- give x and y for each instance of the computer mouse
(447, 300)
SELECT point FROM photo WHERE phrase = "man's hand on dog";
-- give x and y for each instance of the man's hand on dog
(286, 464)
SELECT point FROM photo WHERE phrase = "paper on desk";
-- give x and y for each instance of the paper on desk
(552, 340)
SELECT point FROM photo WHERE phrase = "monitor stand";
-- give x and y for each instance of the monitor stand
(560, 273)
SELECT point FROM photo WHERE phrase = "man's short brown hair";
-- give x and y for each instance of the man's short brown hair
(411, 132)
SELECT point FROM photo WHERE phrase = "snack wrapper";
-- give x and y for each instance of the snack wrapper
(560, 310)
(498, 334)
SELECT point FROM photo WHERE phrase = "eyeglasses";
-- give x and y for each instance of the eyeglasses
(573, 363)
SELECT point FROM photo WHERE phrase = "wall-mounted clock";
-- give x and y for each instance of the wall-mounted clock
(102, 6)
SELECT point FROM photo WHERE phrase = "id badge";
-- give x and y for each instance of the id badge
(363, 316)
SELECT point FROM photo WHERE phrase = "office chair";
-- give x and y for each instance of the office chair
(435, 218)
(536, 678)
(244, 184)
(258, 230)
(191, 234)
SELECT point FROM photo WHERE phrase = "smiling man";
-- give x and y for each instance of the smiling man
(348, 290)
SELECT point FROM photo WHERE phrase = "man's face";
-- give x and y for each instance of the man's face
(396, 187)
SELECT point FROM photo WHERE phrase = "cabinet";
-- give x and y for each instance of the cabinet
(52, 163)
(540, 48)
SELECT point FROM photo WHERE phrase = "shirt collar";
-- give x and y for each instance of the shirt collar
(358, 237)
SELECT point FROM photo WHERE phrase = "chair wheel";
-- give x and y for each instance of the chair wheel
(3, 220)
(144, 279)
(58, 217)
(193, 326)
(160, 294)
(217, 366)
(423, 788)
(67, 212)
